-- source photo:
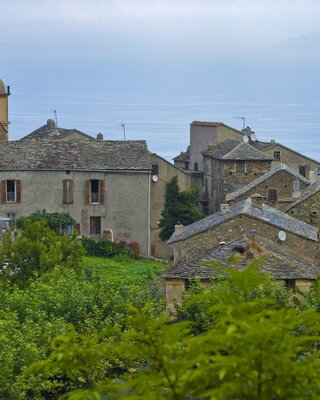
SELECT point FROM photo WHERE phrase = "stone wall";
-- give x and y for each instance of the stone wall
(238, 226)
(308, 210)
(284, 182)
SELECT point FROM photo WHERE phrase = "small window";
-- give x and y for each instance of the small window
(95, 225)
(302, 170)
(67, 229)
(68, 191)
(155, 169)
(272, 194)
(196, 166)
(240, 166)
(94, 191)
(290, 283)
(68, 171)
(11, 191)
(277, 155)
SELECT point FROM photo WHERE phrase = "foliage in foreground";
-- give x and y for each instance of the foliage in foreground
(55, 221)
(251, 348)
(179, 206)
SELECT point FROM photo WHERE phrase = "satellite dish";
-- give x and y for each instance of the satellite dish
(155, 178)
(282, 236)
(245, 138)
(253, 137)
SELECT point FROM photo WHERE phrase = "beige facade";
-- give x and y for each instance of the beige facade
(123, 209)
(162, 173)
(4, 118)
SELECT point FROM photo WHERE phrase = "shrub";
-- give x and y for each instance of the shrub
(105, 248)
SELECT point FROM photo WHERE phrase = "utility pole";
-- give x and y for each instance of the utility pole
(124, 131)
(55, 117)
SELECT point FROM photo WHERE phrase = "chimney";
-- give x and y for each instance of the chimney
(272, 141)
(100, 136)
(4, 112)
(257, 200)
(224, 208)
(178, 229)
(51, 124)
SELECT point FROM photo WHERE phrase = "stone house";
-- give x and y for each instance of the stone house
(162, 172)
(104, 185)
(281, 263)
(307, 206)
(242, 218)
(278, 187)
(228, 166)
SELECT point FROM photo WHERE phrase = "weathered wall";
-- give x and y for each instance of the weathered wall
(283, 182)
(158, 189)
(125, 210)
(308, 210)
(293, 159)
(230, 230)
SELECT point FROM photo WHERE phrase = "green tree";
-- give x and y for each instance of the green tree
(36, 249)
(179, 206)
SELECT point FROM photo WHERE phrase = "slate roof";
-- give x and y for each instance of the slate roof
(278, 261)
(183, 156)
(265, 214)
(308, 192)
(264, 177)
(74, 155)
(51, 131)
(232, 149)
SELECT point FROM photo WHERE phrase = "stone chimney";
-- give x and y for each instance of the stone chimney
(4, 112)
(257, 200)
(178, 229)
(224, 208)
(100, 136)
(51, 124)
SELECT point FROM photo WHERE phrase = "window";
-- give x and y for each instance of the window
(11, 191)
(277, 155)
(95, 225)
(302, 170)
(94, 193)
(290, 283)
(155, 169)
(272, 194)
(68, 191)
(240, 166)
(66, 229)
(196, 166)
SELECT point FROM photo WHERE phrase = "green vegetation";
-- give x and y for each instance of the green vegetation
(55, 221)
(106, 248)
(179, 206)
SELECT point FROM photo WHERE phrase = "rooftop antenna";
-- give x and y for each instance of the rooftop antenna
(55, 116)
(243, 119)
(124, 131)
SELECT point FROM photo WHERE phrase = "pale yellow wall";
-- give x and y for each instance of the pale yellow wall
(224, 132)
(174, 290)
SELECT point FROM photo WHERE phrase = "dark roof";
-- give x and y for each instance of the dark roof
(265, 214)
(74, 155)
(278, 261)
(264, 177)
(232, 149)
(183, 156)
(308, 192)
(51, 131)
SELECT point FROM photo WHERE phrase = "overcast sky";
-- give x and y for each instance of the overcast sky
(113, 29)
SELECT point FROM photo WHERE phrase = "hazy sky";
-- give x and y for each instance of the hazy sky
(113, 29)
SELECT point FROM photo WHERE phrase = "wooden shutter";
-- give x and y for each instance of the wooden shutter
(4, 191)
(68, 191)
(78, 228)
(101, 191)
(18, 191)
(87, 192)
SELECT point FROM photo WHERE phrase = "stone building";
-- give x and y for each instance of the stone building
(104, 185)
(228, 166)
(281, 263)
(161, 174)
(307, 205)
(243, 218)
(278, 187)
(4, 118)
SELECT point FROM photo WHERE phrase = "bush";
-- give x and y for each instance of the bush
(106, 248)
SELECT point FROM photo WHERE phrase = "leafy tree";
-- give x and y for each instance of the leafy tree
(55, 221)
(36, 249)
(179, 206)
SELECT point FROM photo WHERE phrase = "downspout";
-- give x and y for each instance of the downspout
(149, 212)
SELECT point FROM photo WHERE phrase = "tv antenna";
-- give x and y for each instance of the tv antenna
(243, 119)
(55, 117)
(124, 131)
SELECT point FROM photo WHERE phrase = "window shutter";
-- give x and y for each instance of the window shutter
(68, 191)
(3, 191)
(78, 228)
(18, 189)
(101, 191)
(87, 192)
